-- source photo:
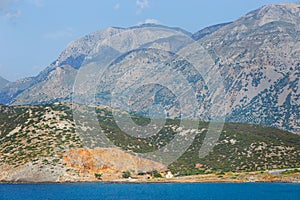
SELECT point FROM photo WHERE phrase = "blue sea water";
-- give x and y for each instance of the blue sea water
(178, 191)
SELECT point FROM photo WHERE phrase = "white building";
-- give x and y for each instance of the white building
(169, 175)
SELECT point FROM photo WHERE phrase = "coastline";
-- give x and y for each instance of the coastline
(145, 182)
(245, 177)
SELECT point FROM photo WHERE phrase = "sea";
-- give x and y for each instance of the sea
(163, 191)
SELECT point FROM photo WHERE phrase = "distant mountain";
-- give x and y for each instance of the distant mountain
(55, 83)
(257, 56)
(3, 82)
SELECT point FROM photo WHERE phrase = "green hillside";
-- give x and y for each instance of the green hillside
(47, 131)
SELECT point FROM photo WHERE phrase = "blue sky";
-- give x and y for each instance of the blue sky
(34, 32)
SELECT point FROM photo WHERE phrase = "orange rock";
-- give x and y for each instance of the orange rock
(108, 161)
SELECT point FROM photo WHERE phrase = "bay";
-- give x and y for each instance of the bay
(164, 191)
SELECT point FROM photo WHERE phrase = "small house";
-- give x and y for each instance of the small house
(169, 175)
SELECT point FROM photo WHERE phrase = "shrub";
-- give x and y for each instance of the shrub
(98, 175)
(126, 174)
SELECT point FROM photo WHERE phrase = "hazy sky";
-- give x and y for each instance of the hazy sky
(34, 32)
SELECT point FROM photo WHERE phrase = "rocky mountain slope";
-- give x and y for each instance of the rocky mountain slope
(55, 83)
(41, 144)
(256, 55)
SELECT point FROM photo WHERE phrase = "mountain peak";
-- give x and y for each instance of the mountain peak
(284, 12)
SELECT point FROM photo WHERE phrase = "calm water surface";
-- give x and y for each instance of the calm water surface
(180, 191)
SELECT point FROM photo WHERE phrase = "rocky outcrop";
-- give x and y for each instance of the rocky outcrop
(79, 165)
(34, 173)
(111, 163)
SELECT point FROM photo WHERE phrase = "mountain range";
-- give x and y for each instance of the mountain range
(257, 57)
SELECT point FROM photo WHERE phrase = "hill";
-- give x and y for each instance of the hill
(42, 144)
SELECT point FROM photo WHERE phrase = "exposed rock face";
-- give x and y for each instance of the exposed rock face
(34, 173)
(257, 56)
(80, 165)
(109, 162)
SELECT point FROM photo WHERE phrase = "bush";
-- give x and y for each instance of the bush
(98, 175)
(156, 174)
(126, 174)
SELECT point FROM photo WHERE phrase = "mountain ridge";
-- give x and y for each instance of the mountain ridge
(208, 30)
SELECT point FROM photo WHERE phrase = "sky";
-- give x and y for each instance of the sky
(33, 33)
